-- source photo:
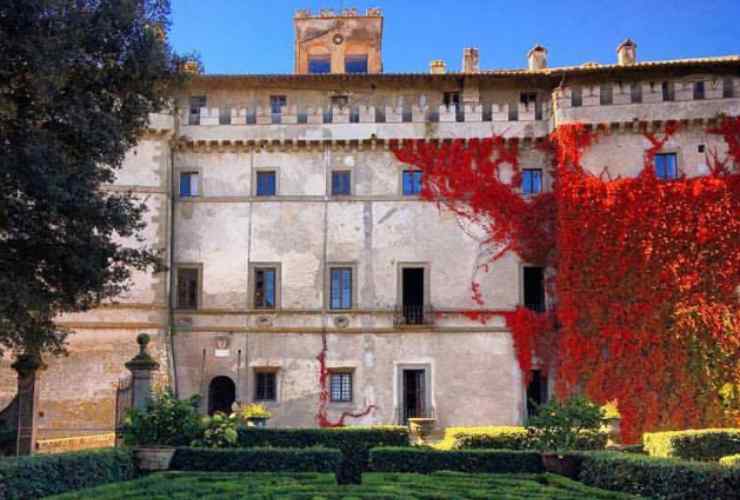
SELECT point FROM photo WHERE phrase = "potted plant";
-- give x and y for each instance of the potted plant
(556, 429)
(154, 433)
(255, 415)
(420, 428)
(219, 431)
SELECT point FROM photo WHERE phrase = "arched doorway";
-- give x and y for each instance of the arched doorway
(221, 395)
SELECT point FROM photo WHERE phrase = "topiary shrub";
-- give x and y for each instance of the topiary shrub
(422, 460)
(659, 477)
(256, 460)
(559, 425)
(27, 478)
(707, 445)
(167, 421)
(493, 437)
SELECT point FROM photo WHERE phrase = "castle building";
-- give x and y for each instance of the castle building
(297, 243)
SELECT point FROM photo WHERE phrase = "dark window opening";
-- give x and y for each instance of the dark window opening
(187, 288)
(536, 392)
(196, 102)
(277, 103)
(355, 64)
(534, 288)
(340, 101)
(728, 90)
(531, 180)
(666, 166)
(452, 99)
(576, 97)
(340, 183)
(668, 90)
(698, 90)
(224, 116)
(412, 182)
(221, 395)
(414, 403)
(340, 294)
(340, 387)
(530, 99)
(319, 64)
(188, 184)
(265, 287)
(606, 94)
(636, 93)
(413, 295)
(701, 148)
(265, 387)
(266, 184)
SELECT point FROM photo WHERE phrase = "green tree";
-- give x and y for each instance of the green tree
(78, 80)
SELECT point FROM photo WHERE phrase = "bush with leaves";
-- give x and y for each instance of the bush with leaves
(167, 421)
(560, 425)
(219, 431)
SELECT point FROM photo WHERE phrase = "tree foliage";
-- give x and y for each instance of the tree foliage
(78, 80)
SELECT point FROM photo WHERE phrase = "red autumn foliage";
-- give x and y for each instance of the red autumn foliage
(646, 270)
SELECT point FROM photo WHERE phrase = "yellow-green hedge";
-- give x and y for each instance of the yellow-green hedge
(506, 438)
(708, 445)
(731, 460)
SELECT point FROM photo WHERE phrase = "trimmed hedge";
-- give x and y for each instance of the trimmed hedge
(256, 460)
(426, 460)
(730, 460)
(26, 478)
(507, 438)
(659, 477)
(708, 445)
(353, 442)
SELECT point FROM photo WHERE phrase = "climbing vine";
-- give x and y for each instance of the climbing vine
(645, 271)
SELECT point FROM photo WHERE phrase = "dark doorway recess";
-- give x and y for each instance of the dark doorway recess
(534, 288)
(221, 395)
(414, 395)
(413, 295)
(536, 392)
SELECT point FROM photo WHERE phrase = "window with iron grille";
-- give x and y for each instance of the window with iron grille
(187, 288)
(265, 287)
(340, 294)
(266, 183)
(606, 94)
(340, 183)
(576, 97)
(698, 90)
(189, 184)
(636, 93)
(412, 182)
(340, 387)
(265, 386)
(531, 180)
(666, 166)
(668, 90)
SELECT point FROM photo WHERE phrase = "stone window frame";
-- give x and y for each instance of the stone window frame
(679, 157)
(409, 168)
(329, 179)
(353, 265)
(543, 185)
(179, 171)
(259, 170)
(398, 386)
(266, 369)
(342, 370)
(252, 267)
(199, 297)
(427, 266)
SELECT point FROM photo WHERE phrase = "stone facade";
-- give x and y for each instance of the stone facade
(227, 129)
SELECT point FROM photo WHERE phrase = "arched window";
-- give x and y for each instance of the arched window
(221, 395)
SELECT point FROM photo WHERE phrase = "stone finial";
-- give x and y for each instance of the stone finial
(302, 13)
(351, 12)
(471, 60)
(537, 58)
(327, 13)
(142, 361)
(627, 53)
(437, 67)
(374, 12)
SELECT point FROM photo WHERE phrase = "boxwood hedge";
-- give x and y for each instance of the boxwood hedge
(256, 460)
(507, 438)
(426, 460)
(659, 477)
(706, 444)
(26, 478)
(731, 460)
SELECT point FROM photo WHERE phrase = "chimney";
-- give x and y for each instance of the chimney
(471, 60)
(537, 58)
(627, 53)
(437, 67)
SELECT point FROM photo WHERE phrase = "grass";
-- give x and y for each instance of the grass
(441, 485)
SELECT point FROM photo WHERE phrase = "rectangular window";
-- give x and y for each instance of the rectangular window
(277, 102)
(265, 287)
(534, 288)
(411, 182)
(265, 386)
(666, 166)
(319, 64)
(728, 90)
(531, 180)
(340, 294)
(451, 99)
(636, 93)
(412, 295)
(340, 387)
(355, 64)
(668, 90)
(188, 184)
(187, 288)
(698, 90)
(266, 183)
(196, 102)
(340, 183)
(576, 97)
(606, 94)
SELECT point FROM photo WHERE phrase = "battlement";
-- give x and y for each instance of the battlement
(331, 13)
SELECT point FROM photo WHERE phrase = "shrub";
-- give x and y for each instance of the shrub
(254, 410)
(257, 460)
(7, 439)
(558, 425)
(508, 438)
(167, 421)
(706, 444)
(426, 460)
(731, 460)
(26, 478)
(219, 431)
(659, 477)
(353, 442)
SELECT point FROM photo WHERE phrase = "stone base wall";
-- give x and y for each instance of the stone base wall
(61, 445)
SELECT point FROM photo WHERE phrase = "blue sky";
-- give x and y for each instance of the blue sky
(256, 36)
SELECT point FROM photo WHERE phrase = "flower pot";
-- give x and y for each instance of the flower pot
(565, 465)
(257, 422)
(153, 458)
(420, 429)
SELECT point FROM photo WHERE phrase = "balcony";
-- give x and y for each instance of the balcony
(413, 316)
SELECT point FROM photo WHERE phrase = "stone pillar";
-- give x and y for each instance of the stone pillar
(141, 367)
(27, 366)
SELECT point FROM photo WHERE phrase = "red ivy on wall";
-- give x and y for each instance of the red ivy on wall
(646, 271)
